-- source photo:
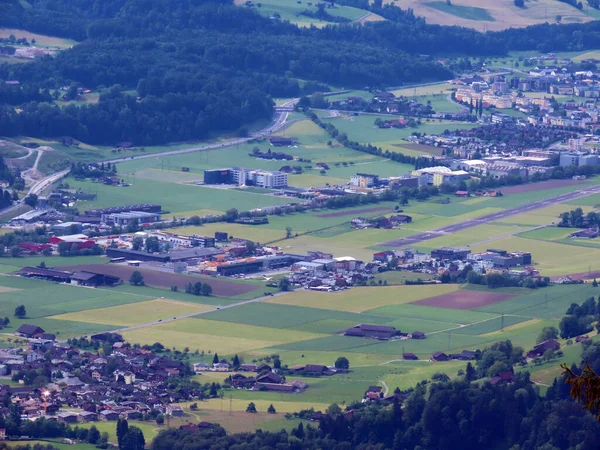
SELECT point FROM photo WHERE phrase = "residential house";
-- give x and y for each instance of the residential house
(68, 417)
(108, 414)
(87, 416)
(221, 367)
(440, 356)
(201, 367)
(174, 410)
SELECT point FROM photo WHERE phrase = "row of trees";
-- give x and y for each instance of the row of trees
(576, 219)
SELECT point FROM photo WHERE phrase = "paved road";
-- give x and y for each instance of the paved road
(427, 235)
(279, 121)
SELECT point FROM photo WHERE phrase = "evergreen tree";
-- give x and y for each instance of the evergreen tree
(216, 358)
(93, 435)
(470, 373)
(122, 429)
(236, 361)
(133, 440)
(271, 409)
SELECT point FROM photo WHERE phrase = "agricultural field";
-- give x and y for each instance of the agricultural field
(302, 327)
(132, 314)
(485, 15)
(292, 10)
(40, 40)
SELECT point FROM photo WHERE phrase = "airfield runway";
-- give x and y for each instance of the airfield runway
(425, 236)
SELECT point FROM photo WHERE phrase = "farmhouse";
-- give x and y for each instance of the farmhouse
(440, 356)
(58, 276)
(417, 335)
(313, 370)
(29, 331)
(465, 355)
(542, 347)
(503, 378)
(87, 278)
(372, 331)
(410, 356)
(590, 233)
(82, 278)
(282, 141)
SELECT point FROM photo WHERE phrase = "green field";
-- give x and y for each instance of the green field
(363, 129)
(464, 12)
(177, 197)
(362, 298)
(133, 314)
(291, 10)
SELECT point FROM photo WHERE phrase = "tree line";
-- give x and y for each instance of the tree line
(441, 415)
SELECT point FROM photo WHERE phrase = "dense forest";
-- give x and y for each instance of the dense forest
(206, 66)
(445, 415)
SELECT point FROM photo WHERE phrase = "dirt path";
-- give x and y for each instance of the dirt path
(386, 389)
(187, 316)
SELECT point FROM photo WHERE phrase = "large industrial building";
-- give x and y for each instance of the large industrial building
(127, 218)
(217, 176)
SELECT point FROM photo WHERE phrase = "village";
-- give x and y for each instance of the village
(104, 378)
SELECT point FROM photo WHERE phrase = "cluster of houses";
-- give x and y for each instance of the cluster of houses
(84, 386)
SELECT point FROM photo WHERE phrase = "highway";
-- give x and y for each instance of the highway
(450, 229)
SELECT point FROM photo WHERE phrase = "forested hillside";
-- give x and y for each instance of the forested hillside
(205, 66)
(198, 66)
